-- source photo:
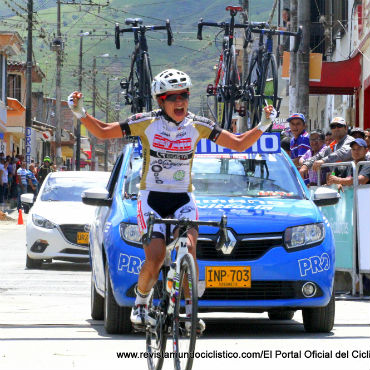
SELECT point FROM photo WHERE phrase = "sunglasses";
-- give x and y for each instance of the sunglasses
(173, 97)
(336, 125)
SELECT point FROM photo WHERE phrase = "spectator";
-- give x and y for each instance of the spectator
(285, 144)
(328, 138)
(340, 152)
(44, 170)
(300, 142)
(358, 151)
(22, 183)
(367, 137)
(5, 181)
(2, 171)
(358, 133)
(32, 183)
(317, 143)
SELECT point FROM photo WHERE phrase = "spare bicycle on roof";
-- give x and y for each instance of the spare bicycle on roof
(137, 87)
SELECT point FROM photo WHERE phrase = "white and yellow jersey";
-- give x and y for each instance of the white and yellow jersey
(168, 148)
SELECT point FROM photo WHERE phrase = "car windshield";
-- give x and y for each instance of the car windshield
(69, 189)
(250, 175)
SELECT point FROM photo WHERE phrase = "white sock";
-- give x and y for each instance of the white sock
(142, 298)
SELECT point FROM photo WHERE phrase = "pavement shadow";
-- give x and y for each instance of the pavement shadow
(65, 266)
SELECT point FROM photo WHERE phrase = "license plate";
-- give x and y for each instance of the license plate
(228, 277)
(82, 238)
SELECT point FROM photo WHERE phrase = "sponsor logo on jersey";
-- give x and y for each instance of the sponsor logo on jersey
(181, 145)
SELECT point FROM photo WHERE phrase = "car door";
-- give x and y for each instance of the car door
(97, 232)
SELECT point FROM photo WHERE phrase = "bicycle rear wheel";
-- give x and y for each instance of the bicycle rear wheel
(156, 337)
(184, 338)
(146, 84)
(231, 89)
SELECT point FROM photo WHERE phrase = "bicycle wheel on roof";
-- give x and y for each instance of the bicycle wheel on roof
(230, 88)
(146, 81)
(263, 80)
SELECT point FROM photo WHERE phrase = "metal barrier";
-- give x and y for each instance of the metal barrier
(351, 232)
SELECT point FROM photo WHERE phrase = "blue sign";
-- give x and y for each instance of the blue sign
(1, 136)
(268, 143)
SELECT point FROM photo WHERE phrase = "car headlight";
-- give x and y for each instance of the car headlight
(303, 236)
(130, 233)
(42, 222)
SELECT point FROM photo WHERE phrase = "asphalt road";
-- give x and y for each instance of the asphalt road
(45, 324)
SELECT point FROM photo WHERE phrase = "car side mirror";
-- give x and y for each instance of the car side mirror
(96, 197)
(27, 198)
(324, 196)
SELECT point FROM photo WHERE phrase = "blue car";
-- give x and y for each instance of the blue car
(279, 236)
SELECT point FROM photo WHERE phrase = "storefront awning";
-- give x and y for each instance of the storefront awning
(339, 78)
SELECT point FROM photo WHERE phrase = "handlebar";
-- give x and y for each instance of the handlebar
(215, 24)
(224, 239)
(297, 35)
(138, 28)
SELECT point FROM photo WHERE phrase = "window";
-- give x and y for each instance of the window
(14, 87)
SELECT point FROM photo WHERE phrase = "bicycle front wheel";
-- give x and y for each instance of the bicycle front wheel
(231, 89)
(263, 80)
(156, 337)
(185, 326)
(146, 84)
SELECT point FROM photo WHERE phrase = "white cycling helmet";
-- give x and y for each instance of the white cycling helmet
(170, 80)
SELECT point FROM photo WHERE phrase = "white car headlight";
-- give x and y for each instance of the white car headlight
(130, 233)
(42, 222)
(305, 235)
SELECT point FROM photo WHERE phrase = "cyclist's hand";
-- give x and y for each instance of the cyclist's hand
(75, 103)
(267, 118)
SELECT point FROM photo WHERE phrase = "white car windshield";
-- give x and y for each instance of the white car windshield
(69, 189)
(251, 175)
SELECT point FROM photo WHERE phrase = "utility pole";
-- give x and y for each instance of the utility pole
(28, 123)
(107, 120)
(58, 97)
(92, 137)
(78, 126)
(293, 60)
(303, 58)
(245, 14)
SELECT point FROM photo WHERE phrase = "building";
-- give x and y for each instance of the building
(10, 45)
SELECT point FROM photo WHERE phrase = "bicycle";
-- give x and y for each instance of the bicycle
(138, 85)
(178, 277)
(227, 83)
(228, 87)
(262, 80)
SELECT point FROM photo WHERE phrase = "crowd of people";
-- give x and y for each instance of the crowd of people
(16, 179)
(309, 151)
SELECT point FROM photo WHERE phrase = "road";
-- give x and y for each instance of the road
(45, 324)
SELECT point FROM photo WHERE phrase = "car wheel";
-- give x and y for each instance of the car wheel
(97, 302)
(319, 319)
(116, 318)
(281, 315)
(33, 264)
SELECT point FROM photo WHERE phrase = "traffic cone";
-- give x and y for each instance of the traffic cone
(20, 217)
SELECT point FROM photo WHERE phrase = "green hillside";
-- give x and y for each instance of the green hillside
(187, 53)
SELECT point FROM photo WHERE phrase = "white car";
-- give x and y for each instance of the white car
(58, 223)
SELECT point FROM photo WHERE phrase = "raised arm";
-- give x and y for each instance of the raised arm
(247, 139)
(98, 128)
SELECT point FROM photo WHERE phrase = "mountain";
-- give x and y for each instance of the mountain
(195, 57)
